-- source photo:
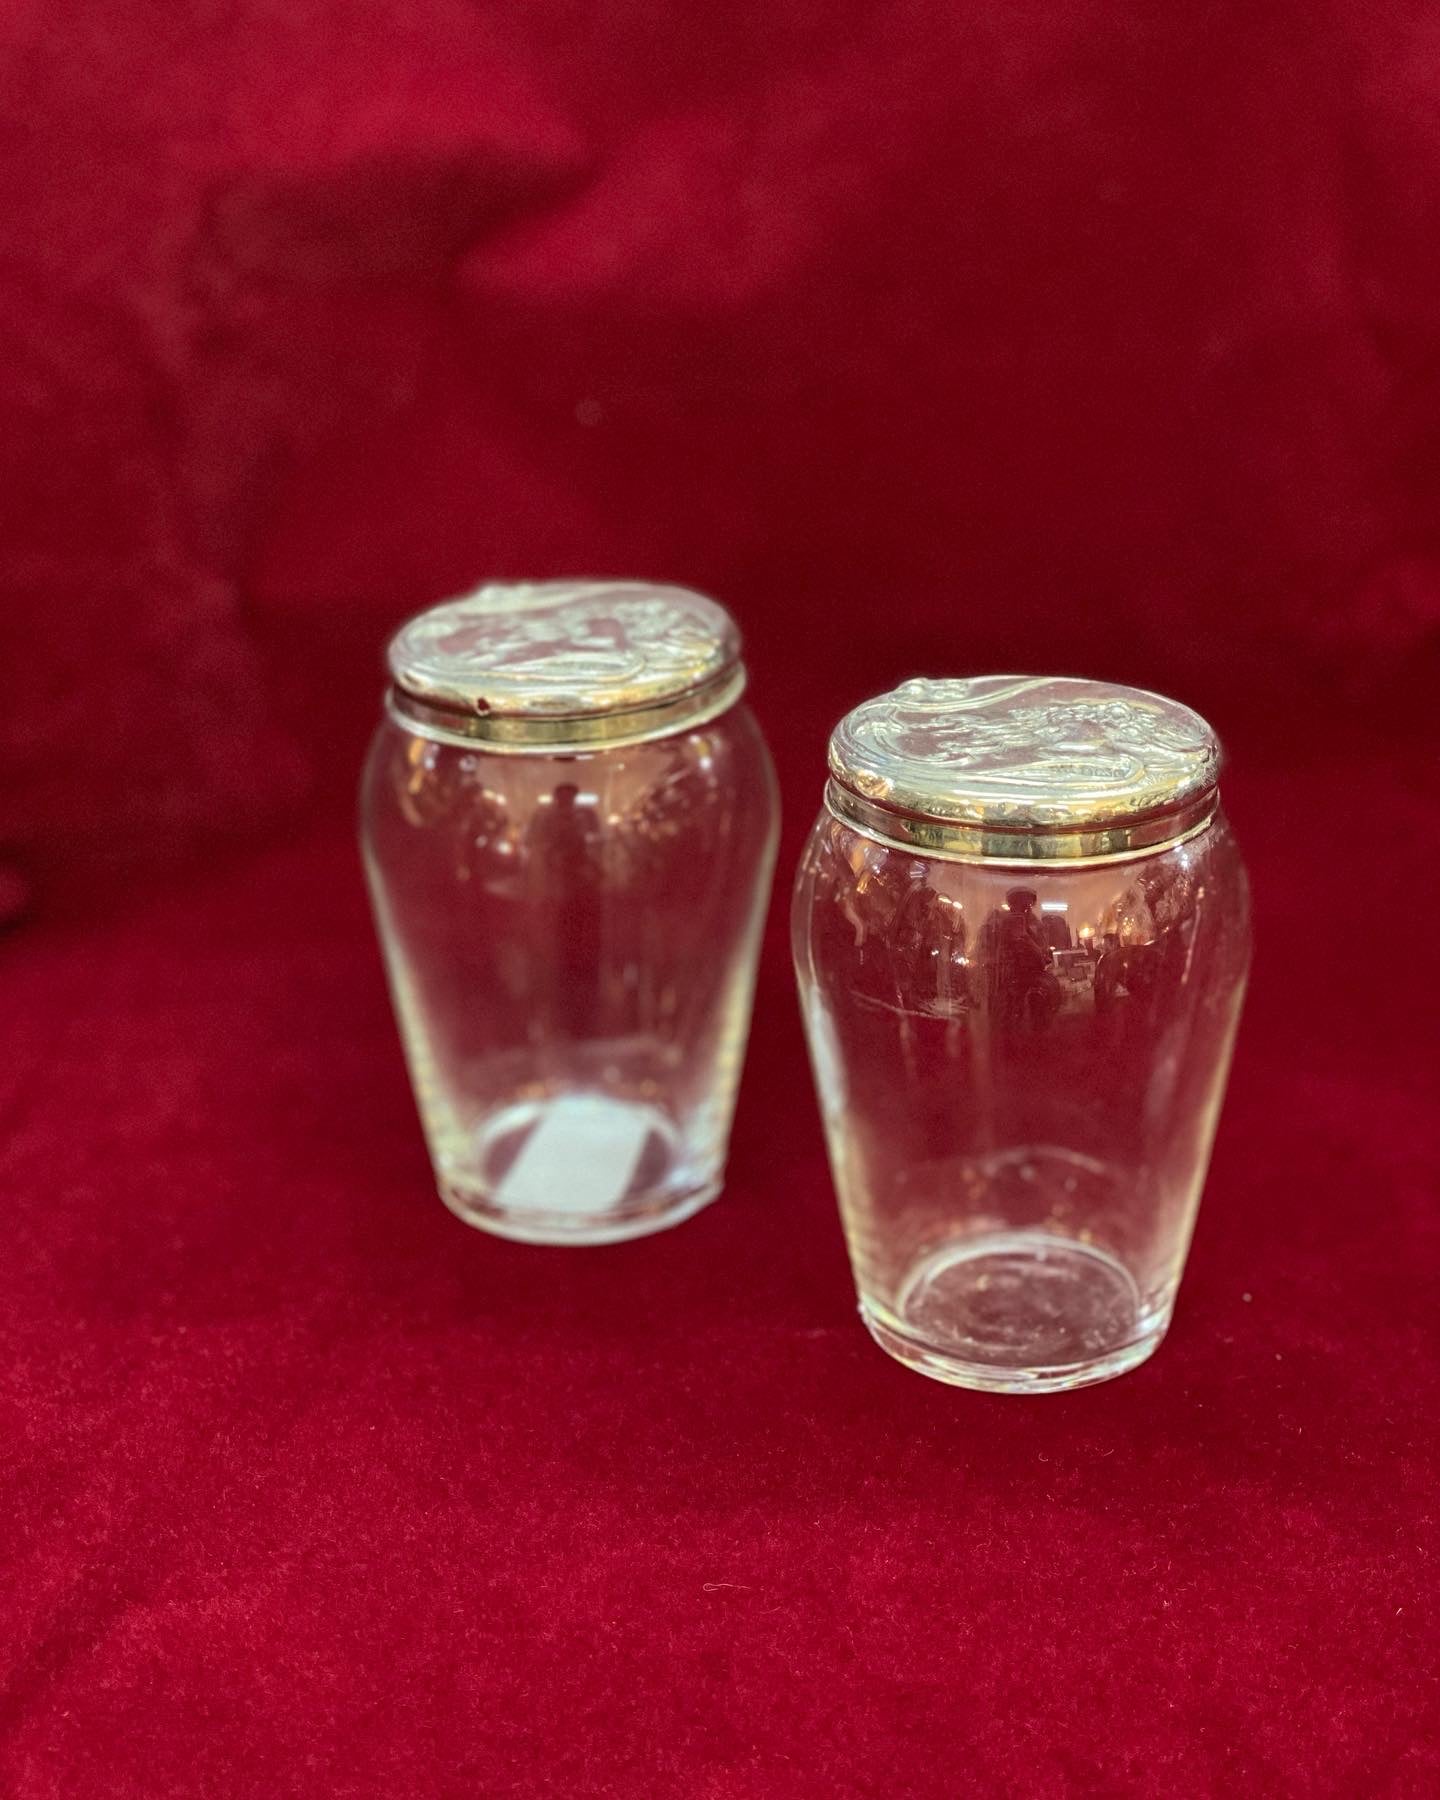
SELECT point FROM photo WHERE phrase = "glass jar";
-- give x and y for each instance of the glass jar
(569, 821)
(1021, 932)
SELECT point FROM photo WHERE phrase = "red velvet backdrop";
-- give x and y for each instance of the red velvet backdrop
(1048, 334)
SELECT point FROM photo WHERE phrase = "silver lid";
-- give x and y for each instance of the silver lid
(1024, 767)
(556, 665)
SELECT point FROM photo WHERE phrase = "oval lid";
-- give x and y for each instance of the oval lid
(1024, 767)
(551, 663)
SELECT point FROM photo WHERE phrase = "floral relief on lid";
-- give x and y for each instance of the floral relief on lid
(1016, 754)
(562, 649)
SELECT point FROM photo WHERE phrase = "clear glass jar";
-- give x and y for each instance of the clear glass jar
(1021, 931)
(569, 821)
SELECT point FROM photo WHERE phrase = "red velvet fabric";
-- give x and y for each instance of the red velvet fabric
(1049, 335)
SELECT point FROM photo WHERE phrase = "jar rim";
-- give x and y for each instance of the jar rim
(927, 837)
(558, 734)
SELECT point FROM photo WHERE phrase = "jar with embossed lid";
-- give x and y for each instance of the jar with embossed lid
(1021, 932)
(569, 821)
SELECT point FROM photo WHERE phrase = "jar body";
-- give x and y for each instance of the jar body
(571, 941)
(1020, 1069)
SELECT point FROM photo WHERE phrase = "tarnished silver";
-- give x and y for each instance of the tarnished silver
(1024, 768)
(556, 665)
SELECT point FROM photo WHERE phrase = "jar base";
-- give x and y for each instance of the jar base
(575, 1168)
(1023, 1312)
(474, 1210)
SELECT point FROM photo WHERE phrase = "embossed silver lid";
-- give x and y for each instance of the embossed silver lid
(1024, 768)
(554, 665)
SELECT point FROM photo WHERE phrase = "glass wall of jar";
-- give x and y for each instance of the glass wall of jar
(569, 821)
(1021, 931)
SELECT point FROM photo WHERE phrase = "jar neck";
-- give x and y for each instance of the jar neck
(550, 735)
(957, 841)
